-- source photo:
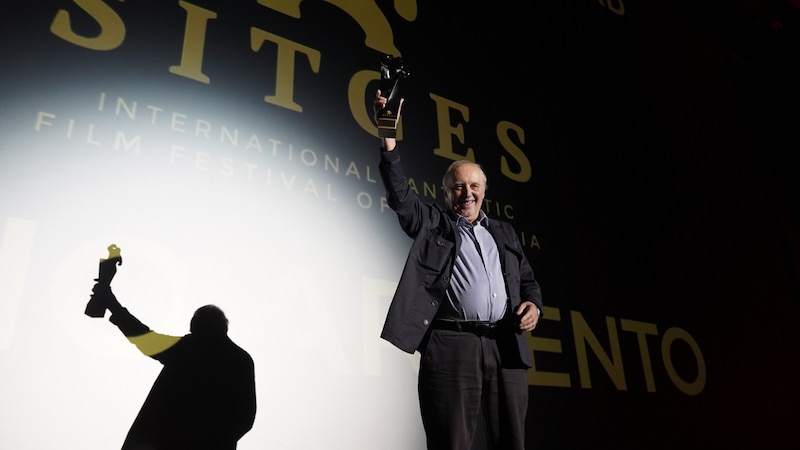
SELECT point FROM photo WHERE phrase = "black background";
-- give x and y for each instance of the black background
(663, 188)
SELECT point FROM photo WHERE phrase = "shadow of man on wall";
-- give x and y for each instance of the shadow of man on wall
(204, 397)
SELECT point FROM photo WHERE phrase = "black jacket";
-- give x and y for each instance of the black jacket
(426, 275)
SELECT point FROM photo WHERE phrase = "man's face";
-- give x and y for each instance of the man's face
(466, 193)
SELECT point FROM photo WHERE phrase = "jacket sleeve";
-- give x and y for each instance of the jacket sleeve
(411, 212)
(528, 287)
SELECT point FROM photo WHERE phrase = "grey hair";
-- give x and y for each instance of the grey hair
(448, 178)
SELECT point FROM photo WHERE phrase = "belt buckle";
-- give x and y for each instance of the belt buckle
(484, 329)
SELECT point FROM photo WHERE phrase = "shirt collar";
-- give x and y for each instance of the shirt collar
(483, 220)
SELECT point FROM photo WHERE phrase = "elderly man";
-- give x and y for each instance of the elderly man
(465, 299)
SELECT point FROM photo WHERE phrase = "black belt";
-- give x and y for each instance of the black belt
(480, 328)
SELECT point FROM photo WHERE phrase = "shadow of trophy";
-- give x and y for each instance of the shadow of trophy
(392, 71)
(96, 307)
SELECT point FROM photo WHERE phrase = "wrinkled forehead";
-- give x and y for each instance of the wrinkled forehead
(468, 174)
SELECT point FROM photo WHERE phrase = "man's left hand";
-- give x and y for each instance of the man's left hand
(528, 315)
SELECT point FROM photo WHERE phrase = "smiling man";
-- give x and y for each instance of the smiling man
(465, 299)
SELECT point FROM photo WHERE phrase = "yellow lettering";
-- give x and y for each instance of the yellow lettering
(194, 41)
(498, 209)
(688, 387)
(613, 365)
(539, 377)
(534, 241)
(641, 329)
(112, 28)
(524, 172)
(284, 78)
(446, 129)
(413, 185)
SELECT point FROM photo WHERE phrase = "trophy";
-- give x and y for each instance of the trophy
(392, 71)
(102, 288)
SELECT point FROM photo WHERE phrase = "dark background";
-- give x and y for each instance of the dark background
(664, 187)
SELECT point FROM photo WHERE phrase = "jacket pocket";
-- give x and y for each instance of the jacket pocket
(432, 253)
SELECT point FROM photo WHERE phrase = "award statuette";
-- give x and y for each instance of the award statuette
(102, 288)
(392, 71)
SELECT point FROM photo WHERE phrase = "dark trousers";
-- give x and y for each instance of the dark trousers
(462, 385)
